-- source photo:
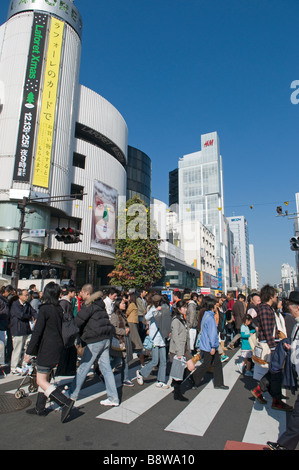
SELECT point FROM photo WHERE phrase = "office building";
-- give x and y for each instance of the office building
(139, 175)
(239, 226)
(200, 190)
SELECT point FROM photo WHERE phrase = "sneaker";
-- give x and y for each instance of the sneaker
(258, 396)
(275, 446)
(281, 406)
(240, 367)
(224, 358)
(230, 346)
(248, 373)
(139, 377)
(161, 385)
(108, 402)
(128, 383)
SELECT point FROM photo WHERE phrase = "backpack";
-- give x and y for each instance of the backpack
(69, 329)
(163, 321)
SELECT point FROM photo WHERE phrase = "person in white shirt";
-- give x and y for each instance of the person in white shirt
(109, 300)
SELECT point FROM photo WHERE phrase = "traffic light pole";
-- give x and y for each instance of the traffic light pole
(15, 279)
(22, 207)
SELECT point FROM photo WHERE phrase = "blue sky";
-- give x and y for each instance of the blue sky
(176, 69)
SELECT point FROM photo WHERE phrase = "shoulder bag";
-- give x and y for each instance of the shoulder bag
(262, 352)
(148, 342)
(69, 329)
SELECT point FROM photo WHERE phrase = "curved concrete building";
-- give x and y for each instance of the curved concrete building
(57, 138)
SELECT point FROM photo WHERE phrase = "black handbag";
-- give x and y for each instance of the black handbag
(69, 330)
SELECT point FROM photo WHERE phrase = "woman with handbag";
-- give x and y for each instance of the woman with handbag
(47, 344)
(179, 344)
(119, 355)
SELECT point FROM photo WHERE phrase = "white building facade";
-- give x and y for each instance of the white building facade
(238, 225)
(57, 138)
(253, 272)
(200, 180)
(288, 279)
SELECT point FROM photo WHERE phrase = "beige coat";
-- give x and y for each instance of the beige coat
(132, 313)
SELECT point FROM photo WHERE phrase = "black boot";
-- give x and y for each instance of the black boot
(40, 407)
(177, 394)
(63, 401)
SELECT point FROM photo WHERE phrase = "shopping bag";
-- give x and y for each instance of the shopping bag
(261, 353)
(192, 337)
(177, 368)
(252, 340)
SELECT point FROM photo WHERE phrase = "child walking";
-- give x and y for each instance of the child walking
(246, 351)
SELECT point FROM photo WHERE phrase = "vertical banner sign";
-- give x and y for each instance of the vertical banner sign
(25, 141)
(220, 278)
(48, 108)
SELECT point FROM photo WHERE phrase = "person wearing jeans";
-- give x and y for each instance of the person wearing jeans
(96, 331)
(122, 330)
(158, 350)
(100, 350)
(158, 357)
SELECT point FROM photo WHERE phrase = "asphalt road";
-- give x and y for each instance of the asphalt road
(148, 419)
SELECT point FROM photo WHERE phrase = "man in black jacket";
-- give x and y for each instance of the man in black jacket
(21, 314)
(5, 292)
(96, 331)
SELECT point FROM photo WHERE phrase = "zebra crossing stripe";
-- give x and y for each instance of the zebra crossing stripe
(198, 415)
(264, 424)
(135, 406)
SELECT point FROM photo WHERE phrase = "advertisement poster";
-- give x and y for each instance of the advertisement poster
(103, 230)
(48, 108)
(25, 141)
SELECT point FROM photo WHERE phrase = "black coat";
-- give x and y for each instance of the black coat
(93, 320)
(3, 313)
(19, 318)
(46, 342)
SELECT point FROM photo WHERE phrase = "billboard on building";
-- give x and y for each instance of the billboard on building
(103, 231)
(48, 108)
(31, 91)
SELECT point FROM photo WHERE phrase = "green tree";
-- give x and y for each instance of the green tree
(137, 263)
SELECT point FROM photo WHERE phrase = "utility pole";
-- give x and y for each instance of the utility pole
(22, 207)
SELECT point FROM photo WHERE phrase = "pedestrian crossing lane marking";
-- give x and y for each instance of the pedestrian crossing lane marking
(264, 424)
(135, 406)
(198, 415)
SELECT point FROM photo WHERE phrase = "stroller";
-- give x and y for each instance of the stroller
(30, 377)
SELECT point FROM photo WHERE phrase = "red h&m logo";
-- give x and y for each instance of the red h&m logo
(209, 142)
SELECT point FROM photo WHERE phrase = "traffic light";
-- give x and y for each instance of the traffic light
(279, 210)
(294, 243)
(68, 235)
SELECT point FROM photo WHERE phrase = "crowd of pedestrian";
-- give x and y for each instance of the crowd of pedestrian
(180, 340)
